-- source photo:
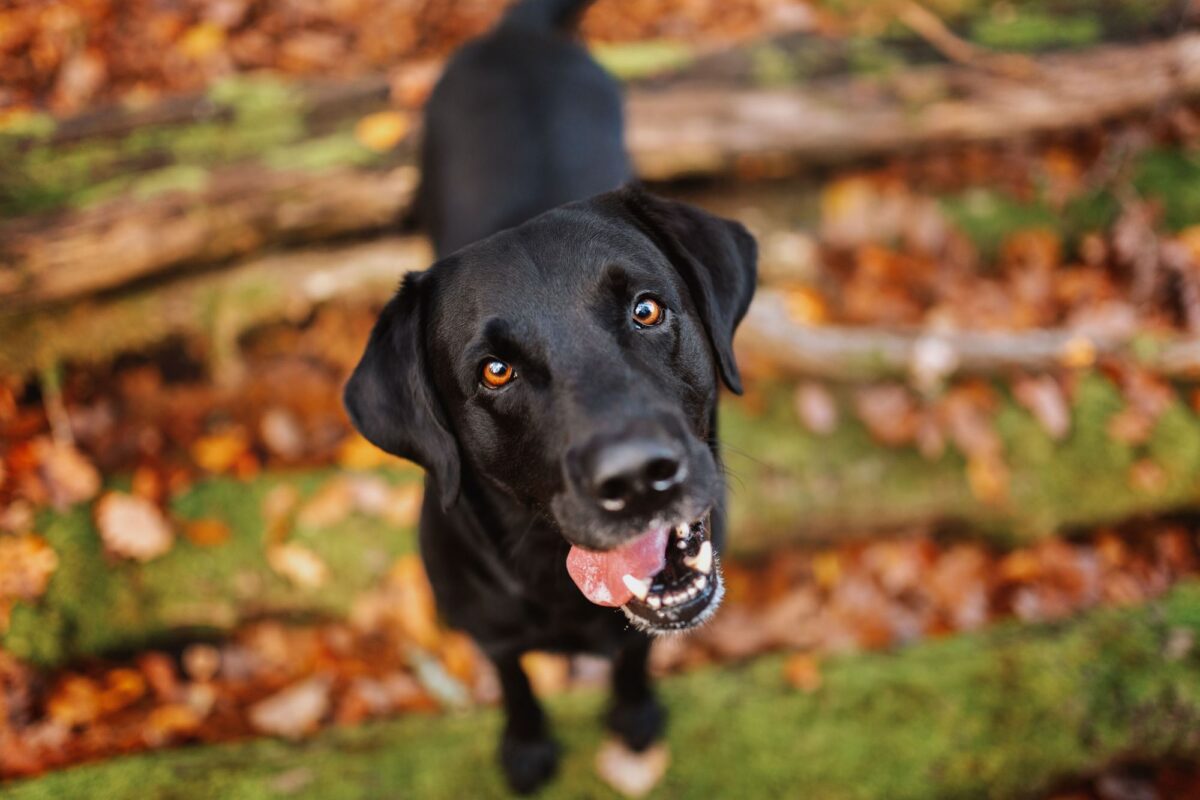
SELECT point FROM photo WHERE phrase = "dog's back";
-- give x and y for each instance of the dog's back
(523, 120)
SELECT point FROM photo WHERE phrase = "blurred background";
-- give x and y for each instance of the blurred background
(965, 474)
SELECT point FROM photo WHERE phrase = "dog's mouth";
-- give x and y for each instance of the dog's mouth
(667, 579)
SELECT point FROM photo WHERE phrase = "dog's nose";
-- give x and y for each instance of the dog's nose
(635, 473)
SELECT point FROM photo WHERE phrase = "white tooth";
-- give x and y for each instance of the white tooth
(639, 588)
(703, 559)
(701, 582)
(682, 529)
(693, 591)
(653, 601)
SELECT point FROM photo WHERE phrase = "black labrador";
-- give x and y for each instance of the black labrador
(558, 380)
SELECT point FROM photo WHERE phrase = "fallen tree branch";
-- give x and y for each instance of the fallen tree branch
(769, 336)
(219, 304)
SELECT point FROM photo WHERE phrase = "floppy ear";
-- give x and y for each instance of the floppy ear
(717, 258)
(390, 397)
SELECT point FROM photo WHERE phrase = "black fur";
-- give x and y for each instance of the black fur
(508, 489)
(522, 120)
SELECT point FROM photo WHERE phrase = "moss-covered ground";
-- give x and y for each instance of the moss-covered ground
(1003, 714)
(96, 604)
(787, 483)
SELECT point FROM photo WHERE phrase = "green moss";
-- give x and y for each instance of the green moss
(1173, 178)
(336, 150)
(632, 60)
(94, 604)
(1032, 30)
(773, 66)
(262, 117)
(1004, 714)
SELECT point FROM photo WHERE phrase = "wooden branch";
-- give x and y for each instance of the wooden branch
(243, 211)
(769, 336)
(218, 304)
(702, 130)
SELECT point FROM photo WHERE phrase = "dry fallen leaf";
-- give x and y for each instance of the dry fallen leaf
(220, 452)
(382, 130)
(357, 453)
(282, 433)
(548, 673)
(298, 564)
(1044, 399)
(207, 532)
(331, 504)
(69, 477)
(404, 504)
(816, 408)
(629, 773)
(26, 564)
(293, 712)
(133, 527)
(802, 671)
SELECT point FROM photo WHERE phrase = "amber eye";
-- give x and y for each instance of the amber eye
(647, 312)
(496, 373)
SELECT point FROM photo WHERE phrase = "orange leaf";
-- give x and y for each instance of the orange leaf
(382, 130)
(803, 672)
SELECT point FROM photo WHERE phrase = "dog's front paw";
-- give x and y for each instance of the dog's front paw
(638, 725)
(528, 763)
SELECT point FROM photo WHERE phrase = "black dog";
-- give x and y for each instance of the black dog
(558, 380)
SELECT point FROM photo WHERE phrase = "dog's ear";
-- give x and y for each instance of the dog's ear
(717, 258)
(391, 399)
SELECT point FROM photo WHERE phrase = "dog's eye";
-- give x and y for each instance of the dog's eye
(496, 373)
(648, 312)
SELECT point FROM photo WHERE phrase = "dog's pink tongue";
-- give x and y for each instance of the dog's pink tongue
(600, 576)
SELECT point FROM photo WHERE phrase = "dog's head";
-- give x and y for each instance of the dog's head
(573, 363)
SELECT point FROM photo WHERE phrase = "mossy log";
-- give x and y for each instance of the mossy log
(97, 604)
(95, 204)
(1008, 713)
(787, 486)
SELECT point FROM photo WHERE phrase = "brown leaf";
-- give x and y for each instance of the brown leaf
(548, 673)
(294, 712)
(220, 452)
(382, 130)
(628, 773)
(1044, 399)
(69, 477)
(889, 412)
(27, 563)
(132, 527)
(331, 504)
(357, 453)
(802, 671)
(207, 532)
(299, 565)
(1147, 477)
(816, 408)
(282, 433)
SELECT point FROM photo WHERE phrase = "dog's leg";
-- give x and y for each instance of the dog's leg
(636, 715)
(527, 753)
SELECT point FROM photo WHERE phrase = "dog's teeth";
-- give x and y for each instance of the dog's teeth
(638, 587)
(654, 601)
(702, 561)
(682, 529)
(701, 582)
